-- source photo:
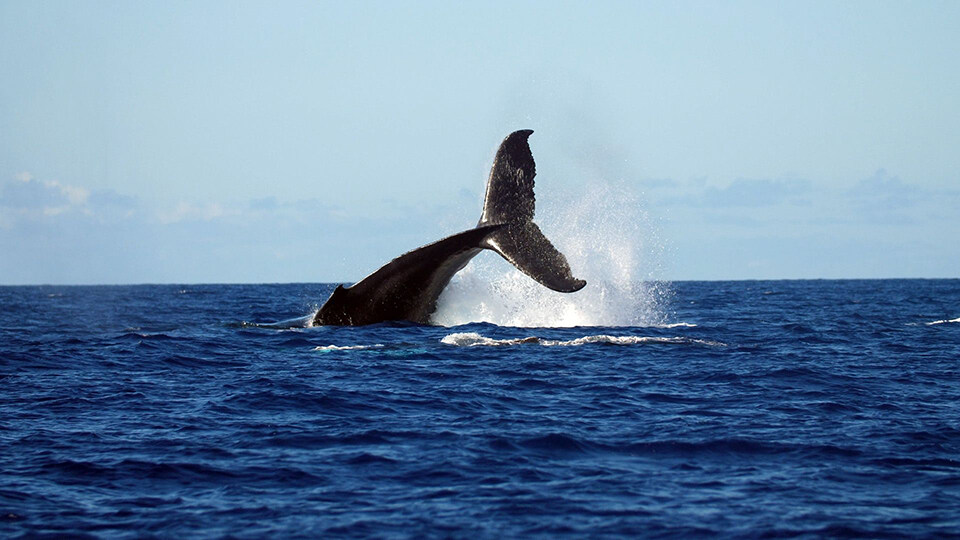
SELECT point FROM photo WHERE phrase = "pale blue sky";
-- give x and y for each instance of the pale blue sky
(272, 142)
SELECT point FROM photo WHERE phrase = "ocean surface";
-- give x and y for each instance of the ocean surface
(732, 409)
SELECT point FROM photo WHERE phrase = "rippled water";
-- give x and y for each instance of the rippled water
(741, 408)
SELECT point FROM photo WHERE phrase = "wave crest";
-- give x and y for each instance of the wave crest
(473, 339)
(943, 321)
(327, 348)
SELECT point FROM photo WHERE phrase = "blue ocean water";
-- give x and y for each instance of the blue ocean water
(778, 409)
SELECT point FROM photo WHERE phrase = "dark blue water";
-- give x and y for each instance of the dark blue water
(823, 408)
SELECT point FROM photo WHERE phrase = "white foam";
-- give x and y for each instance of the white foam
(473, 339)
(944, 321)
(608, 241)
(326, 348)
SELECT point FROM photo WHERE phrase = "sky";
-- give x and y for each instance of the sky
(224, 142)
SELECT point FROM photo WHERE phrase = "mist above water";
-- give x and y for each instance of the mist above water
(608, 240)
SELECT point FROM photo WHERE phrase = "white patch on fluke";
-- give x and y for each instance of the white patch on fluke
(608, 241)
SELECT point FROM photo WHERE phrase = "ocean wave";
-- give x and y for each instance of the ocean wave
(473, 339)
(326, 348)
(943, 321)
(305, 321)
(159, 412)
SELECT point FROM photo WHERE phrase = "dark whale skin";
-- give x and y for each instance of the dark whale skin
(407, 288)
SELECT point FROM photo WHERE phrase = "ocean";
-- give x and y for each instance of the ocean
(720, 409)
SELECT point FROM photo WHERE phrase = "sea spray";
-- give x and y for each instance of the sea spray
(608, 240)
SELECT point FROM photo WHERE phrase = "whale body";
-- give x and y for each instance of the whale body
(407, 288)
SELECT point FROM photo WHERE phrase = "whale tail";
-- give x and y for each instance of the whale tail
(510, 201)
(408, 287)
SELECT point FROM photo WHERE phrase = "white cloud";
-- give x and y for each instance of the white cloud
(76, 195)
(28, 197)
(188, 211)
(741, 193)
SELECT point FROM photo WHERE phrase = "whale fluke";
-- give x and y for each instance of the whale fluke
(510, 200)
(509, 194)
(407, 288)
(524, 246)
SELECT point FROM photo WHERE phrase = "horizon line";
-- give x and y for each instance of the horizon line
(201, 283)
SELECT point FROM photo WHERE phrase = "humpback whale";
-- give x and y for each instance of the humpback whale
(407, 288)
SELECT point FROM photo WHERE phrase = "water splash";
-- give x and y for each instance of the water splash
(608, 240)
